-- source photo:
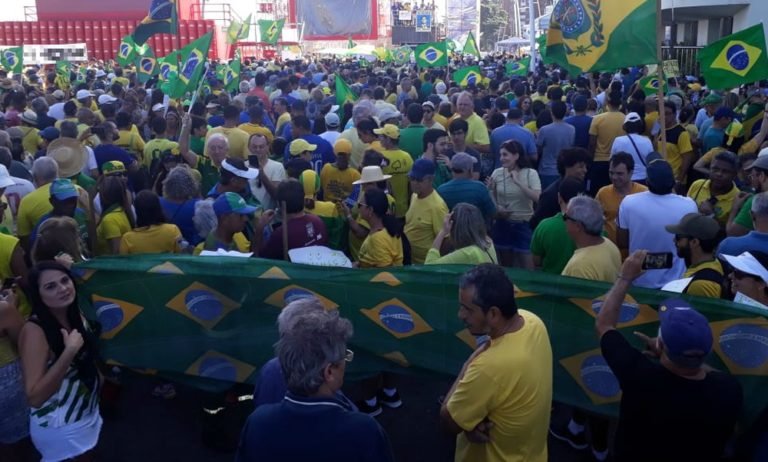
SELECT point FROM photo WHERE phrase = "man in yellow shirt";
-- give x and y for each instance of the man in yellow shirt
(477, 136)
(154, 148)
(254, 126)
(679, 148)
(427, 211)
(596, 258)
(399, 163)
(696, 238)
(127, 138)
(30, 139)
(337, 178)
(37, 203)
(238, 139)
(282, 116)
(621, 167)
(605, 128)
(716, 195)
(499, 405)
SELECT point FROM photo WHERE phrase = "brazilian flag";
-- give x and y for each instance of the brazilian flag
(238, 30)
(470, 47)
(231, 75)
(350, 43)
(734, 60)
(63, 74)
(468, 76)
(167, 65)
(146, 63)
(161, 19)
(12, 59)
(344, 94)
(650, 85)
(270, 31)
(126, 52)
(434, 54)
(599, 35)
(518, 67)
(401, 55)
(193, 58)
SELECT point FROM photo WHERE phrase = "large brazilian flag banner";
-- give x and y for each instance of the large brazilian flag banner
(211, 320)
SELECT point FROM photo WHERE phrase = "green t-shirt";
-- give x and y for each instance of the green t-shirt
(551, 242)
(208, 172)
(84, 181)
(744, 217)
(197, 144)
(412, 140)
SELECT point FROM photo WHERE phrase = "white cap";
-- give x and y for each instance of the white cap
(747, 263)
(632, 117)
(763, 152)
(106, 99)
(158, 107)
(82, 94)
(111, 75)
(249, 174)
(100, 73)
(332, 120)
(440, 88)
(5, 177)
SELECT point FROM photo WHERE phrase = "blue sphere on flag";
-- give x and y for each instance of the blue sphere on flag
(109, 314)
(203, 304)
(190, 65)
(10, 58)
(147, 64)
(430, 54)
(737, 57)
(165, 68)
(218, 368)
(125, 49)
(296, 293)
(745, 344)
(598, 377)
(397, 319)
(472, 79)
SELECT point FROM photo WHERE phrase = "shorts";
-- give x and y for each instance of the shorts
(14, 411)
(512, 235)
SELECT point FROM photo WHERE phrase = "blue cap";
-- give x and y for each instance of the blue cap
(230, 202)
(661, 178)
(685, 332)
(723, 112)
(422, 168)
(63, 189)
(49, 133)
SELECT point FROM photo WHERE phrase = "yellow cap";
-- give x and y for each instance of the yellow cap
(299, 146)
(342, 146)
(388, 130)
(311, 182)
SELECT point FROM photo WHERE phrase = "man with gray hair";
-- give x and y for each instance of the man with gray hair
(757, 239)
(362, 110)
(36, 204)
(312, 352)
(596, 258)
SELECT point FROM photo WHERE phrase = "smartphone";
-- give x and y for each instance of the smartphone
(660, 260)
(8, 284)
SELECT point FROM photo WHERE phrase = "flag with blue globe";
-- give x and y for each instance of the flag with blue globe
(737, 59)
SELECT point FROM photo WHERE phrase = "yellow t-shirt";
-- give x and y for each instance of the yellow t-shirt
(155, 148)
(678, 143)
(31, 208)
(130, 141)
(239, 243)
(337, 184)
(238, 141)
(355, 243)
(324, 209)
(423, 221)
(606, 127)
(650, 120)
(610, 200)
(163, 238)
(6, 219)
(7, 246)
(114, 224)
(252, 129)
(478, 131)
(699, 192)
(380, 250)
(597, 262)
(399, 164)
(701, 287)
(441, 119)
(510, 384)
(284, 118)
(750, 147)
(510, 197)
(531, 126)
(58, 123)
(31, 139)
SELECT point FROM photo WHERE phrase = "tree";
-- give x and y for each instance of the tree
(493, 17)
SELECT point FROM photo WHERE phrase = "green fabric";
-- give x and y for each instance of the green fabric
(209, 174)
(736, 59)
(193, 57)
(551, 240)
(412, 140)
(338, 232)
(270, 31)
(650, 85)
(238, 30)
(146, 63)
(197, 144)
(433, 54)
(344, 94)
(442, 175)
(162, 20)
(12, 60)
(470, 46)
(518, 67)
(166, 65)
(466, 76)
(744, 217)
(84, 181)
(211, 320)
(126, 51)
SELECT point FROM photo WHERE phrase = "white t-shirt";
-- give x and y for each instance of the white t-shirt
(330, 136)
(645, 215)
(276, 173)
(644, 146)
(16, 192)
(91, 164)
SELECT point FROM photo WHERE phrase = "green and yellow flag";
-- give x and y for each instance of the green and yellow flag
(146, 63)
(470, 46)
(231, 77)
(434, 54)
(350, 43)
(238, 30)
(401, 55)
(650, 85)
(166, 65)
(598, 35)
(734, 60)
(161, 19)
(270, 31)
(126, 52)
(467, 76)
(62, 74)
(344, 94)
(193, 58)
(518, 67)
(12, 59)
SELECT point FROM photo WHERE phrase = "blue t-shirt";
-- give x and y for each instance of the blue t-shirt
(713, 138)
(581, 123)
(322, 155)
(512, 132)
(108, 152)
(216, 121)
(469, 191)
(751, 242)
(181, 215)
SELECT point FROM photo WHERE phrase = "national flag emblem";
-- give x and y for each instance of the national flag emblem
(518, 67)
(286, 295)
(468, 76)
(738, 57)
(161, 18)
(650, 85)
(742, 344)
(386, 278)
(431, 55)
(397, 318)
(113, 314)
(594, 376)
(202, 304)
(274, 273)
(631, 314)
(270, 31)
(165, 69)
(215, 365)
(194, 60)
(165, 268)
(10, 58)
(161, 10)
(147, 64)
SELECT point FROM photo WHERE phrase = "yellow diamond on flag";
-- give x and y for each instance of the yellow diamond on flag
(594, 376)
(387, 278)
(215, 365)
(202, 304)
(397, 318)
(397, 357)
(274, 273)
(467, 338)
(737, 57)
(288, 294)
(166, 268)
(114, 314)
(631, 314)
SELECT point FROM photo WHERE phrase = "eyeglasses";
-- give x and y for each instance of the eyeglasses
(567, 218)
(349, 356)
(680, 237)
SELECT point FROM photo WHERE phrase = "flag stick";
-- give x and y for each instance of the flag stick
(199, 86)
(660, 71)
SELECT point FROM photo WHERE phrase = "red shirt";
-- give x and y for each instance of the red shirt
(304, 231)
(262, 95)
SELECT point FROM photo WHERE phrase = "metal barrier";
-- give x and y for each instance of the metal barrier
(686, 58)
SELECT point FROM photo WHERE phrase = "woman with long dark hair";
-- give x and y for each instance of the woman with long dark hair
(384, 245)
(116, 218)
(58, 357)
(152, 233)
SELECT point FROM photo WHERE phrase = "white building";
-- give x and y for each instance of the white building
(701, 22)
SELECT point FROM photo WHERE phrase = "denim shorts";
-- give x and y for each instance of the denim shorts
(512, 235)
(14, 411)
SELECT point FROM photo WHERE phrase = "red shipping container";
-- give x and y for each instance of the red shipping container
(124, 28)
(96, 50)
(157, 45)
(53, 36)
(184, 31)
(61, 31)
(79, 32)
(88, 34)
(8, 34)
(18, 35)
(43, 31)
(71, 37)
(28, 34)
(167, 42)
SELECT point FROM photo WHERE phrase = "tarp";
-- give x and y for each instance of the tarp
(214, 318)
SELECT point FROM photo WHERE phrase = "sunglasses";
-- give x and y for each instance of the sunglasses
(680, 237)
(567, 218)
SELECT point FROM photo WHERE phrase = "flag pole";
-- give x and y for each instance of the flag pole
(532, 36)
(662, 148)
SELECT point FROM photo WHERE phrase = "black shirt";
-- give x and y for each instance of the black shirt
(665, 417)
(549, 204)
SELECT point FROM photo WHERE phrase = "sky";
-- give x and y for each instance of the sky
(14, 10)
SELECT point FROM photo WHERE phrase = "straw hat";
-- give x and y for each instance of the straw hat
(372, 174)
(70, 154)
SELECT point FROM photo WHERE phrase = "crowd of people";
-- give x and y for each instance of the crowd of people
(581, 176)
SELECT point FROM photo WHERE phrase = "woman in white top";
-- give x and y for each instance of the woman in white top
(635, 144)
(515, 188)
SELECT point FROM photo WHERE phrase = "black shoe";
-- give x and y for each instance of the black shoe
(392, 402)
(562, 433)
(366, 408)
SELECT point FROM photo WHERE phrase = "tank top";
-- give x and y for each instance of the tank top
(7, 351)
